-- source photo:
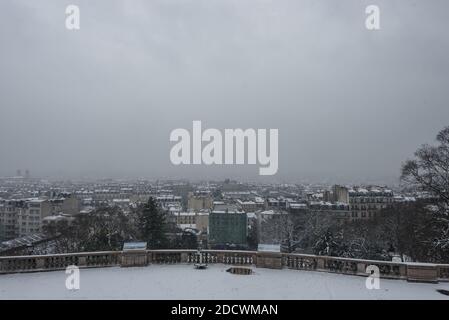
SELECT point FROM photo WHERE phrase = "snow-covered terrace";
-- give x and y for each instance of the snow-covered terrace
(181, 281)
(170, 274)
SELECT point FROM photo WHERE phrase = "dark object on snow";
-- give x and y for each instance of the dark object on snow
(240, 270)
(442, 291)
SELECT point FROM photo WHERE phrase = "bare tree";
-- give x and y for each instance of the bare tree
(429, 171)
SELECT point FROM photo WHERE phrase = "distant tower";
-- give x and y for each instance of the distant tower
(27, 174)
(19, 173)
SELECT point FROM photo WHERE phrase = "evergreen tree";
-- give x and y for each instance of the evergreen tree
(152, 224)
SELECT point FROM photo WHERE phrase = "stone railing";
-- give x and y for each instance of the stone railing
(393, 270)
(443, 272)
(59, 261)
(207, 256)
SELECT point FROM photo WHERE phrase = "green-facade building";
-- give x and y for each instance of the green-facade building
(227, 228)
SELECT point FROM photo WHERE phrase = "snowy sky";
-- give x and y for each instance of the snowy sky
(349, 103)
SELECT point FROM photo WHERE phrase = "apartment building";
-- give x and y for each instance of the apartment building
(9, 212)
(185, 218)
(365, 203)
(198, 201)
(166, 201)
(31, 215)
(251, 205)
(199, 220)
(23, 217)
(339, 211)
(65, 203)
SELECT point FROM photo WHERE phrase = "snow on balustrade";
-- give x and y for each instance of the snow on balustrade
(394, 270)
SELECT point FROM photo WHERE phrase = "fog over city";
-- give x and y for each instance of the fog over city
(349, 103)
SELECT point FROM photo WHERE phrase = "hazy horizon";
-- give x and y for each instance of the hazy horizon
(350, 104)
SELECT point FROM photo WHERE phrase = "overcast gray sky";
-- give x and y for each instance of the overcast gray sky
(349, 103)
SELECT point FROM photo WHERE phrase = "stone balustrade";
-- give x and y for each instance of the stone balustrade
(443, 272)
(394, 270)
(387, 269)
(58, 261)
(208, 256)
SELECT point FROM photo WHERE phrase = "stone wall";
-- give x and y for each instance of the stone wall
(423, 272)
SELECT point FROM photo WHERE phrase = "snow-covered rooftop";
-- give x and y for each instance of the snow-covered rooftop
(181, 281)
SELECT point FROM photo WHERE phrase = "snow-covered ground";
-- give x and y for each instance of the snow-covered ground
(185, 282)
